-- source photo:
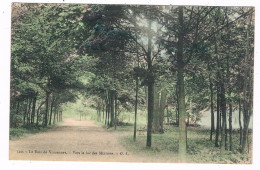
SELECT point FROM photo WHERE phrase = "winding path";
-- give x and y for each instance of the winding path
(71, 141)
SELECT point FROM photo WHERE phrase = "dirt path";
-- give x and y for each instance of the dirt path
(71, 141)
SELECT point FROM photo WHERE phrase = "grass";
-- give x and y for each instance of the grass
(165, 147)
(15, 133)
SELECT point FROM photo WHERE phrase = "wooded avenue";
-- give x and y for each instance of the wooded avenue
(156, 69)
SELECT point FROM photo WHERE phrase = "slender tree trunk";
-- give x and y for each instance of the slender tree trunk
(211, 109)
(25, 111)
(219, 84)
(136, 103)
(218, 118)
(34, 108)
(52, 103)
(182, 109)
(178, 105)
(230, 128)
(136, 91)
(240, 124)
(248, 88)
(156, 110)
(224, 122)
(108, 116)
(100, 110)
(29, 112)
(150, 88)
(150, 115)
(112, 106)
(103, 111)
(245, 130)
(108, 109)
(106, 112)
(116, 105)
(54, 116)
(226, 133)
(228, 88)
(46, 109)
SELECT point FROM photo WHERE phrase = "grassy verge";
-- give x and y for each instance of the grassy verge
(165, 146)
(16, 133)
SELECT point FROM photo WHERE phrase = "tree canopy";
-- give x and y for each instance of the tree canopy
(183, 59)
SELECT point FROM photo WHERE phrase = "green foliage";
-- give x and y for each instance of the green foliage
(15, 133)
(200, 149)
(64, 53)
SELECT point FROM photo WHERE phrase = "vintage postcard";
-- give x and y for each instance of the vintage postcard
(132, 83)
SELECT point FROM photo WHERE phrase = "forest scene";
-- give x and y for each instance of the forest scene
(132, 83)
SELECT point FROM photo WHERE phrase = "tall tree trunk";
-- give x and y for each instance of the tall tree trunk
(109, 109)
(178, 105)
(116, 110)
(182, 109)
(219, 89)
(248, 87)
(245, 130)
(52, 103)
(136, 102)
(240, 124)
(218, 118)
(112, 107)
(150, 115)
(212, 129)
(229, 82)
(34, 108)
(226, 133)
(150, 87)
(46, 109)
(29, 112)
(230, 128)
(25, 111)
(103, 110)
(100, 110)
(136, 91)
(224, 122)
(106, 112)
(55, 113)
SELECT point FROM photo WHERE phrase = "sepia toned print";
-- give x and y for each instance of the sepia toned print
(131, 83)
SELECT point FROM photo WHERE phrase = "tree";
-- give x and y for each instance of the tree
(42, 52)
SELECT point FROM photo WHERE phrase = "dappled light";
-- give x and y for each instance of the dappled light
(132, 83)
